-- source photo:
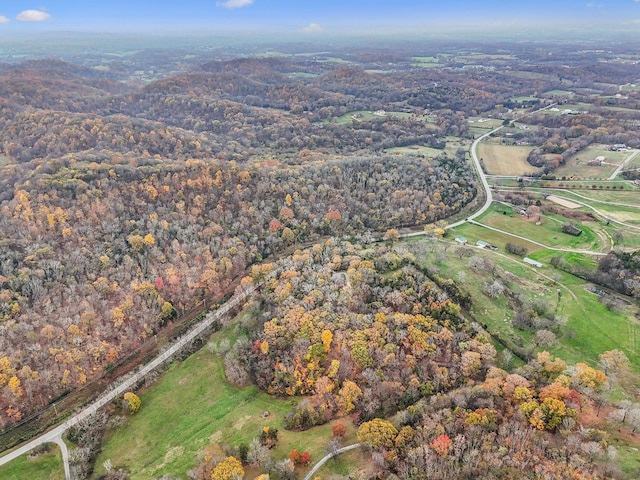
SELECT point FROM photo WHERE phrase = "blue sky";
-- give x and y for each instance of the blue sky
(310, 16)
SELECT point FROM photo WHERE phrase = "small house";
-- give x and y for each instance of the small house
(531, 261)
(461, 240)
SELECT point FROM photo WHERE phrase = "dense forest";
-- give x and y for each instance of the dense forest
(123, 206)
(127, 198)
(365, 333)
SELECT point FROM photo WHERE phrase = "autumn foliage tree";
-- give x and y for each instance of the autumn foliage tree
(377, 433)
(132, 402)
(228, 469)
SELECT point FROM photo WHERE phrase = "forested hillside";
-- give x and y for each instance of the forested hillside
(123, 205)
(364, 333)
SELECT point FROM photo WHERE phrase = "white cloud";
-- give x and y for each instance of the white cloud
(312, 28)
(230, 4)
(3, 19)
(33, 16)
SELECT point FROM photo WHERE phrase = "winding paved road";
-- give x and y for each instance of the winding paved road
(128, 382)
(483, 180)
(621, 166)
(584, 204)
(585, 252)
(324, 459)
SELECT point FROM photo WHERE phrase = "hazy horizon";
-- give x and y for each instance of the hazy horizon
(316, 19)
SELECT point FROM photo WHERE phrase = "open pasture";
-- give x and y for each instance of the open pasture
(590, 330)
(505, 159)
(557, 93)
(548, 233)
(578, 165)
(193, 406)
(425, 62)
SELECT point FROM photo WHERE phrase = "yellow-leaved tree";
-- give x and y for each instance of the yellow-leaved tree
(133, 401)
(228, 469)
(377, 433)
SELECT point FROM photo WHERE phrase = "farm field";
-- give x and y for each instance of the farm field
(576, 165)
(582, 186)
(549, 233)
(425, 62)
(557, 93)
(479, 125)
(474, 58)
(630, 87)
(629, 196)
(622, 214)
(192, 406)
(302, 75)
(45, 466)
(473, 233)
(505, 159)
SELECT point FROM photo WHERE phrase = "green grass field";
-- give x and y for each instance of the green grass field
(633, 163)
(591, 328)
(630, 196)
(424, 62)
(623, 213)
(46, 466)
(549, 233)
(557, 93)
(474, 58)
(473, 233)
(302, 75)
(577, 165)
(192, 406)
(452, 145)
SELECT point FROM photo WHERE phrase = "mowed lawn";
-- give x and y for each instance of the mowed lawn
(191, 407)
(505, 159)
(45, 466)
